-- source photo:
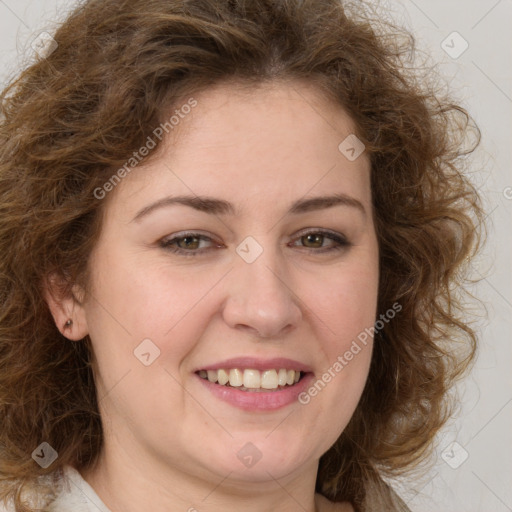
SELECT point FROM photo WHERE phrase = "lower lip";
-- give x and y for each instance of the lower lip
(260, 400)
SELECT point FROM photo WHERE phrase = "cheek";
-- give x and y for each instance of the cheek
(343, 330)
(347, 347)
(136, 302)
(347, 305)
(345, 312)
(146, 297)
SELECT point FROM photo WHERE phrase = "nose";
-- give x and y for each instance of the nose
(261, 299)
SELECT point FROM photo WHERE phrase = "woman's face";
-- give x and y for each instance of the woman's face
(240, 274)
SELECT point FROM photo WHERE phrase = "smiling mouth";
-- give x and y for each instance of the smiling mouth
(249, 379)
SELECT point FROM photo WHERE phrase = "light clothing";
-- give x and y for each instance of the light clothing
(76, 495)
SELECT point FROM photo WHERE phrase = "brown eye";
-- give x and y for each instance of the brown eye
(188, 242)
(312, 240)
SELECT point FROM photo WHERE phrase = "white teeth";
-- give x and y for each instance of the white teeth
(223, 377)
(252, 379)
(236, 378)
(269, 379)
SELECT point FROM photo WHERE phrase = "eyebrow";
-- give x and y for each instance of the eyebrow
(214, 206)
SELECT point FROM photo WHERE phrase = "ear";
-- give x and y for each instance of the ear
(66, 306)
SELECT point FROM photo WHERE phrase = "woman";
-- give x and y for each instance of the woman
(234, 241)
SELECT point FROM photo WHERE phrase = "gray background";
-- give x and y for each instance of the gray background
(481, 79)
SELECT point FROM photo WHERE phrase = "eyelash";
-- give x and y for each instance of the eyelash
(341, 241)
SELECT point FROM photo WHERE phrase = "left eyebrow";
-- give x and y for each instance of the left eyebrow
(216, 206)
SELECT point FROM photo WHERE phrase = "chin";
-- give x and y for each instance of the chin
(260, 460)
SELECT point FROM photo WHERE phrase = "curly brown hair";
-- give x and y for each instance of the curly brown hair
(70, 119)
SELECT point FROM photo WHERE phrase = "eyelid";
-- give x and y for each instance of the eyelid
(321, 231)
(184, 234)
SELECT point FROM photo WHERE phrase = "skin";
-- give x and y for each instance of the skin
(169, 443)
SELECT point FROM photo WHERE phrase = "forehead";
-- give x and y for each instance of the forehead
(233, 113)
(279, 140)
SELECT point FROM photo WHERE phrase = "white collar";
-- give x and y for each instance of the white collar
(76, 495)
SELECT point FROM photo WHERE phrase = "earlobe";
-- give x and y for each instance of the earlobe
(66, 308)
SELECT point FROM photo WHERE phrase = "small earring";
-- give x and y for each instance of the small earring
(68, 324)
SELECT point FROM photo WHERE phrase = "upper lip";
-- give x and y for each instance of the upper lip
(257, 364)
